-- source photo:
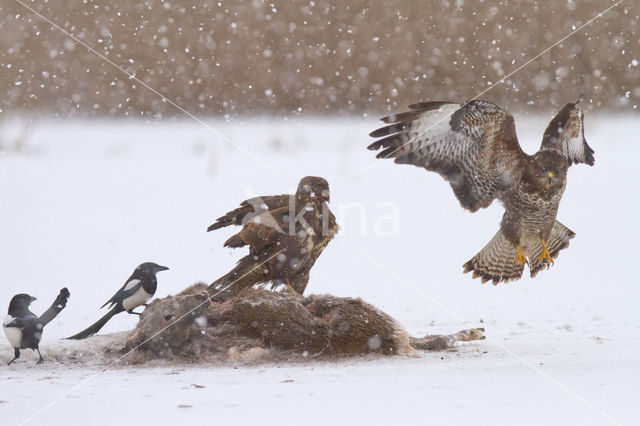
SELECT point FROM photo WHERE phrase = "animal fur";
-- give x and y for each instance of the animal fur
(261, 325)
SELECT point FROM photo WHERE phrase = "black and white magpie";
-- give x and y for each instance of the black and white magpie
(136, 291)
(24, 328)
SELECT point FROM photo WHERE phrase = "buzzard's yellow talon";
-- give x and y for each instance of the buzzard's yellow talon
(292, 290)
(520, 257)
(545, 254)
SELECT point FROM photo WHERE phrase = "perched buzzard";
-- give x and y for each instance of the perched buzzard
(285, 234)
(475, 148)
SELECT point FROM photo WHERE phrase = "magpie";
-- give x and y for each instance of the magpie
(136, 291)
(24, 328)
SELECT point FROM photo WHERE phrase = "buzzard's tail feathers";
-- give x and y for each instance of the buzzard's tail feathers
(559, 239)
(496, 261)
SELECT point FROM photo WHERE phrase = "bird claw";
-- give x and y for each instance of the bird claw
(291, 290)
(520, 257)
(545, 256)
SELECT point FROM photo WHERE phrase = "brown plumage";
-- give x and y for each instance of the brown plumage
(475, 148)
(285, 235)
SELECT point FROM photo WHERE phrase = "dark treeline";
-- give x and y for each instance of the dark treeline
(307, 57)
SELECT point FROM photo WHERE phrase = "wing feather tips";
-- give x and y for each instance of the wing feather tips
(404, 122)
(226, 220)
(417, 112)
(392, 143)
(429, 106)
(588, 155)
(375, 146)
(580, 155)
(235, 241)
(402, 116)
(391, 129)
(414, 114)
(390, 152)
(579, 152)
(219, 224)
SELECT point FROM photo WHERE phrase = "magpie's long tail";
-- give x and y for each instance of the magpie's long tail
(55, 308)
(93, 329)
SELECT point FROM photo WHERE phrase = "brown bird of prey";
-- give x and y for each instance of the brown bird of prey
(475, 148)
(285, 234)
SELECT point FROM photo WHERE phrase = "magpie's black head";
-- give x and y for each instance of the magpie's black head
(20, 303)
(149, 268)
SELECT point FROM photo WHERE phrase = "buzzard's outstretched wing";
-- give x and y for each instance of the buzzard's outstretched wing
(250, 208)
(473, 146)
(565, 133)
(263, 230)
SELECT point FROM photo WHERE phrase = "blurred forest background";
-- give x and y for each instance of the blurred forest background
(288, 57)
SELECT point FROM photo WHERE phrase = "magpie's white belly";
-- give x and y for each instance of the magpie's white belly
(138, 298)
(14, 334)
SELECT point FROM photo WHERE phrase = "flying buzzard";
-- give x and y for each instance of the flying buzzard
(285, 234)
(475, 148)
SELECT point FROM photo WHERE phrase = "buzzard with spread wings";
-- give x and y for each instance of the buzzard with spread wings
(475, 148)
(285, 233)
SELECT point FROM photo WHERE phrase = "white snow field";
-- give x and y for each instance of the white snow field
(83, 203)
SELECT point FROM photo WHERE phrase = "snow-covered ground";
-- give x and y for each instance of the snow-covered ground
(83, 203)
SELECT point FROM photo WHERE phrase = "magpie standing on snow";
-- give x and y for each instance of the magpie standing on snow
(139, 288)
(24, 328)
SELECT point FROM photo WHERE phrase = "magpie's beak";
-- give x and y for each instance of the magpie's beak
(33, 299)
(162, 268)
